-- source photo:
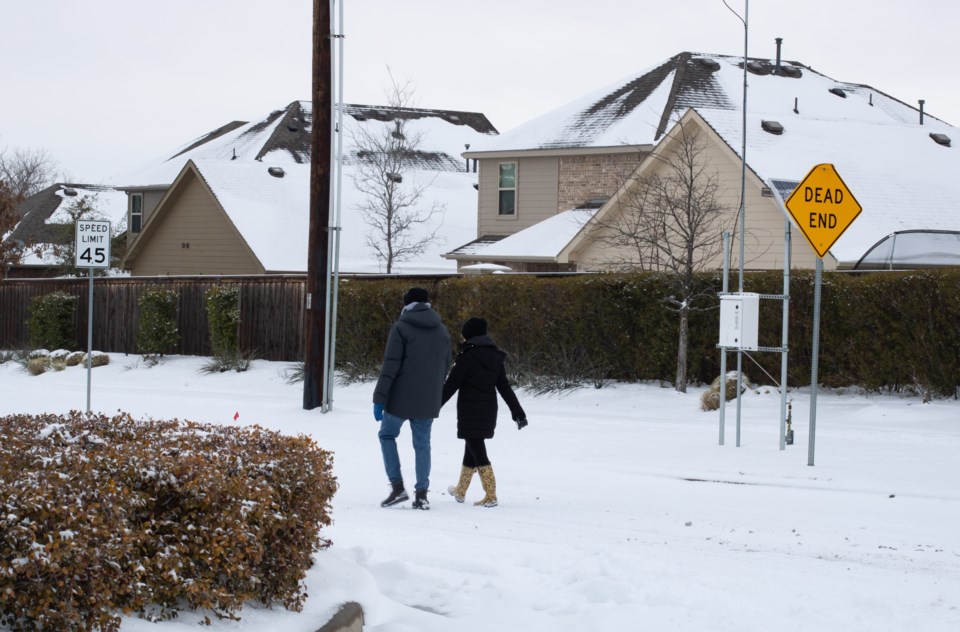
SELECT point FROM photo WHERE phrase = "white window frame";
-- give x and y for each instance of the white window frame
(136, 227)
(501, 189)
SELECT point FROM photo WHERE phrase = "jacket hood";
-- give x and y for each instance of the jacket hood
(479, 341)
(421, 315)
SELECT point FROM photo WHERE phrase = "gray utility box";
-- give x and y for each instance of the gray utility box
(740, 321)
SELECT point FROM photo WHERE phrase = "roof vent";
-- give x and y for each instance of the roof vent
(757, 68)
(293, 127)
(710, 64)
(940, 139)
(359, 117)
(276, 172)
(772, 127)
(838, 92)
(395, 177)
(73, 192)
(791, 71)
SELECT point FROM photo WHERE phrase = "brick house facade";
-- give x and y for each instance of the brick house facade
(593, 177)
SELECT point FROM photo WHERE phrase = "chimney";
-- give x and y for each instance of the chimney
(921, 110)
(776, 69)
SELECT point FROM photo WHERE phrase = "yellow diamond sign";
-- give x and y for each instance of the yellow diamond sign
(822, 207)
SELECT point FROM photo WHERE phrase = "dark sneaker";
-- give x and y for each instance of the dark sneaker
(397, 495)
(420, 499)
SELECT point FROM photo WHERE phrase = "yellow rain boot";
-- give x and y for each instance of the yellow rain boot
(489, 486)
(460, 491)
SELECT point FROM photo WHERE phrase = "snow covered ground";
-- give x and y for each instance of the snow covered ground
(619, 510)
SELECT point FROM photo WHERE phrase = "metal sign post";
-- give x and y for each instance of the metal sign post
(814, 361)
(91, 250)
(822, 207)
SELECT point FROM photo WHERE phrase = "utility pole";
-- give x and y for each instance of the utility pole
(315, 323)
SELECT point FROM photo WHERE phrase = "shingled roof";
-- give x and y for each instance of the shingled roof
(898, 160)
(639, 109)
(38, 210)
(284, 137)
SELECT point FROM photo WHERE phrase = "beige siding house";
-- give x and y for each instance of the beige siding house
(896, 159)
(765, 222)
(189, 233)
(237, 200)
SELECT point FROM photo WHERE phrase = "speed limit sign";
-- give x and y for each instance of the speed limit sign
(93, 244)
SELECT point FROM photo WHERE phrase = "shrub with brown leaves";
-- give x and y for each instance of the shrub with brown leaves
(103, 516)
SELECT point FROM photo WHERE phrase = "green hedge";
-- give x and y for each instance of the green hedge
(878, 330)
(223, 316)
(157, 326)
(52, 321)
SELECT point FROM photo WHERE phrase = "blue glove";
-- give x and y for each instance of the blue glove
(378, 412)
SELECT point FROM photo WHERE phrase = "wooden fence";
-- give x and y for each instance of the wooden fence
(271, 312)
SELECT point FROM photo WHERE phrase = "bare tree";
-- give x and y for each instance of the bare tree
(10, 251)
(670, 221)
(27, 171)
(401, 225)
(64, 250)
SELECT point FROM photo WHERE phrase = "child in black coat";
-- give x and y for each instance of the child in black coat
(478, 374)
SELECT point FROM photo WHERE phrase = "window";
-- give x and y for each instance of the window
(136, 212)
(508, 188)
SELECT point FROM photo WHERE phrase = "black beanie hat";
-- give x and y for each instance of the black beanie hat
(473, 327)
(416, 295)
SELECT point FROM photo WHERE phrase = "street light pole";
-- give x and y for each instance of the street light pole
(742, 215)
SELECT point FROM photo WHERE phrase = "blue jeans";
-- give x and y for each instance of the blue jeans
(389, 431)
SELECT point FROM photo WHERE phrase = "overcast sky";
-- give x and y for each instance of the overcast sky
(108, 85)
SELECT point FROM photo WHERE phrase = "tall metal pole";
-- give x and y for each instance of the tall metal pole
(784, 337)
(743, 203)
(334, 289)
(814, 361)
(723, 350)
(315, 318)
(743, 150)
(89, 339)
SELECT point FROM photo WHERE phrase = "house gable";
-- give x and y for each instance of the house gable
(190, 234)
(765, 222)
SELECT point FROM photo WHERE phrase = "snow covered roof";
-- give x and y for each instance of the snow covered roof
(638, 109)
(46, 219)
(541, 242)
(903, 178)
(283, 134)
(283, 138)
(272, 214)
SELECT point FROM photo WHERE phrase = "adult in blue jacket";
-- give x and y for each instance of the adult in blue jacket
(415, 364)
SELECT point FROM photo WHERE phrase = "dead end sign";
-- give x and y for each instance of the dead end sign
(822, 207)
